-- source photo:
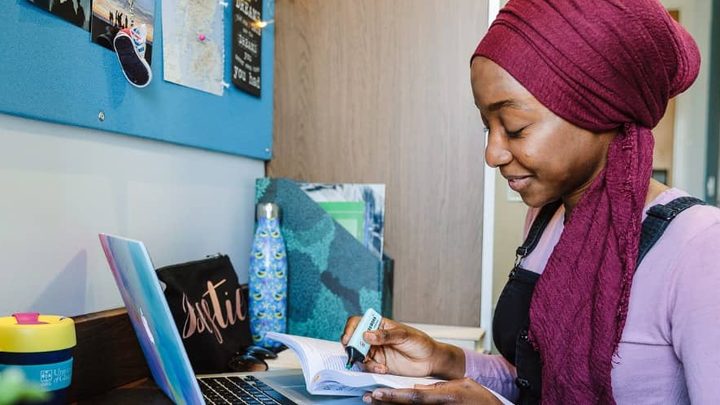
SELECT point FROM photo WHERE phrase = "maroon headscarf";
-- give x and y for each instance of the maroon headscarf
(600, 65)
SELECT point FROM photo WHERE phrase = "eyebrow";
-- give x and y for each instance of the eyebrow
(509, 103)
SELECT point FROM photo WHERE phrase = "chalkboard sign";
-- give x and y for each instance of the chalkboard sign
(247, 33)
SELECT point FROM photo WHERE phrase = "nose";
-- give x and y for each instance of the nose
(497, 152)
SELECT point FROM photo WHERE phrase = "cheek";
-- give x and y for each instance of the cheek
(543, 156)
(576, 161)
(543, 145)
(556, 159)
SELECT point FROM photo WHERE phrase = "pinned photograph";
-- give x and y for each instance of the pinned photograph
(111, 16)
(73, 11)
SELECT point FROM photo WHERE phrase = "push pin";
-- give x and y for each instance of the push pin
(202, 37)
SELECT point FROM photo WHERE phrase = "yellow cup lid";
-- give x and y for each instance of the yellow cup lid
(32, 333)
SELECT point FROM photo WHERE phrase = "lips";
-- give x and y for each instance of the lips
(518, 183)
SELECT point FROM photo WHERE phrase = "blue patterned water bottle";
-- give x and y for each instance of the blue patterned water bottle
(268, 277)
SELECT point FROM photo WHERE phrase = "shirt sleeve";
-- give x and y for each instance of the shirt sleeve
(694, 310)
(492, 371)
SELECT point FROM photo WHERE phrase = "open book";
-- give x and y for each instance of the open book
(323, 365)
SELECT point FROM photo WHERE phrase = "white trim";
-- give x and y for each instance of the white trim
(488, 245)
(488, 231)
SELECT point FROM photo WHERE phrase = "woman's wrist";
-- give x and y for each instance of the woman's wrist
(449, 362)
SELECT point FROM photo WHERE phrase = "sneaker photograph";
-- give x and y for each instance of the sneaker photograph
(129, 44)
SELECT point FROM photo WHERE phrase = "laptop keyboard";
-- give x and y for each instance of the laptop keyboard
(239, 390)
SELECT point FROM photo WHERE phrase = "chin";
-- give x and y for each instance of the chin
(532, 203)
(535, 201)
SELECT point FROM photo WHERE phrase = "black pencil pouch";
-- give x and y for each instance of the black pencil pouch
(209, 307)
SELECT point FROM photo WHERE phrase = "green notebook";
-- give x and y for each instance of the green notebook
(349, 214)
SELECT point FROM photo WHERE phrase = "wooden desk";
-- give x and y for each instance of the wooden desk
(139, 392)
(109, 367)
(107, 355)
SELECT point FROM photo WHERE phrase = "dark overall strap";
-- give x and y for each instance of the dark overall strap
(524, 356)
(658, 219)
(512, 309)
(529, 367)
(536, 230)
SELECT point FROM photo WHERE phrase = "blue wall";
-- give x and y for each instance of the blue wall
(50, 70)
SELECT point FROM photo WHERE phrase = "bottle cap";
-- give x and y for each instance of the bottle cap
(267, 210)
(32, 332)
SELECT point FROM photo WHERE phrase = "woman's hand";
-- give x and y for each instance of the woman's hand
(464, 391)
(402, 350)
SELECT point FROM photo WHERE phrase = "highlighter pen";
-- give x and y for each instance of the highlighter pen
(357, 348)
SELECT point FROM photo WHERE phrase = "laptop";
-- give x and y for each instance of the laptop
(165, 354)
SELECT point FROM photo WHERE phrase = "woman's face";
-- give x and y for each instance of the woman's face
(542, 156)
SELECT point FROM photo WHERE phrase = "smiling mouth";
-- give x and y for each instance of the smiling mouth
(519, 183)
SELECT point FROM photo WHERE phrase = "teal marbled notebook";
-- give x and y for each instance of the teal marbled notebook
(331, 275)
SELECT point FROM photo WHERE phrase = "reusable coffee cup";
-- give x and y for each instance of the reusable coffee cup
(40, 346)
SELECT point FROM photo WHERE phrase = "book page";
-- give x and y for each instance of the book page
(323, 364)
(315, 355)
(352, 383)
(342, 382)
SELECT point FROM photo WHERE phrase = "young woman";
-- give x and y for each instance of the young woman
(614, 296)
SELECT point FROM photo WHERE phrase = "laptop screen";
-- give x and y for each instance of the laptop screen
(151, 318)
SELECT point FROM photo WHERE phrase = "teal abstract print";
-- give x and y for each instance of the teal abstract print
(331, 275)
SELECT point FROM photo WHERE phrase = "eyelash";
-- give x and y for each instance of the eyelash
(515, 134)
(511, 134)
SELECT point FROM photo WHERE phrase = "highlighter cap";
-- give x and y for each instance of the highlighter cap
(369, 322)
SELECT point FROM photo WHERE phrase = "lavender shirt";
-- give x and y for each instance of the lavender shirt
(669, 352)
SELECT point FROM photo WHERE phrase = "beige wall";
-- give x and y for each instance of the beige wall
(378, 91)
(664, 134)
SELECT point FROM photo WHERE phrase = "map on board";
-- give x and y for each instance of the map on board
(194, 44)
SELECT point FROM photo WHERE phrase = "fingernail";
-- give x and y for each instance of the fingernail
(367, 398)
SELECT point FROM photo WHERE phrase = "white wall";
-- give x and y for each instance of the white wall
(692, 106)
(61, 185)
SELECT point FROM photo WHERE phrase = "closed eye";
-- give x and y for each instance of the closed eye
(515, 134)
